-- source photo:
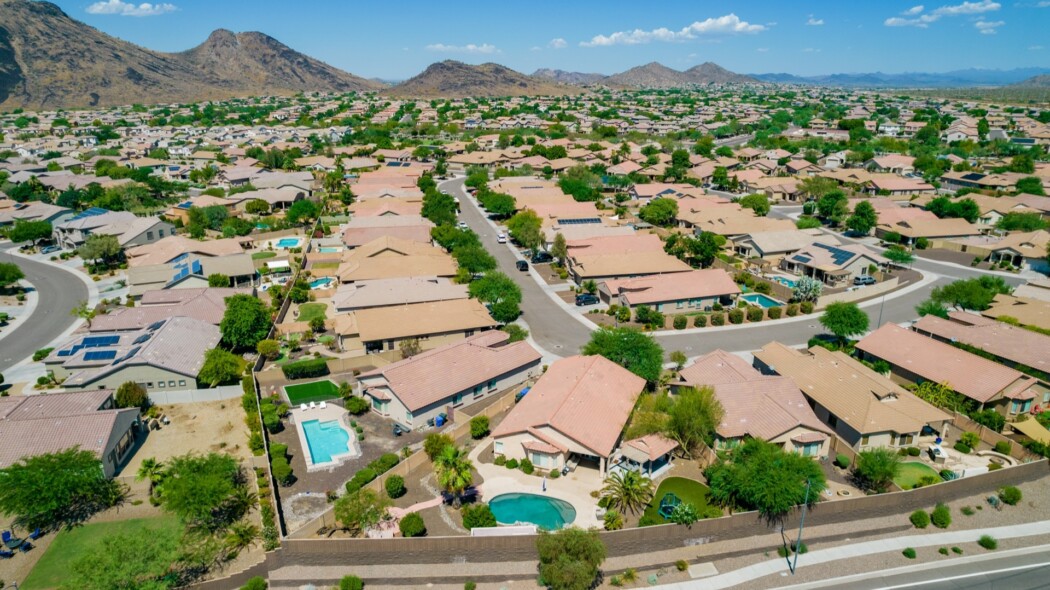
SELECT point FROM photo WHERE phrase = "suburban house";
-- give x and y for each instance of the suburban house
(915, 358)
(13, 211)
(204, 304)
(432, 324)
(833, 265)
(190, 271)
(862, 407)
(614, 257)
(680, 291)
(758, 406)
(39, 424)
(1027, 311)
(181, 211)
(576, 412)
(128, 228)
(413, 391)
(168, 249)
(167, 355)
(771, 245)
(1025, 250)
(363, 230)
(389, 257)
(396, 291)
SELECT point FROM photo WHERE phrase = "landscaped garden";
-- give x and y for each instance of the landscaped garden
(304, 393)
(309, 311)
(687, 490)
(911, 472)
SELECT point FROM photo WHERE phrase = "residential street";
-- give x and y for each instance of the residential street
(553, 329)
(59, 291)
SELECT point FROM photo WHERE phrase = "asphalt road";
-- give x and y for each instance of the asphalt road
(553, 329)
(59, 291)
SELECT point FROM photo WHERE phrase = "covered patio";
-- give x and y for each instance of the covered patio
(650, 455)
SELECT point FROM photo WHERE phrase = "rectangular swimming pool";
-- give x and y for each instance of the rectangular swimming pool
(325, 440)
(288, 243)
(761, 300)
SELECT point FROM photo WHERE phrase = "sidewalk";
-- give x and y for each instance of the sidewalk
(893, 544)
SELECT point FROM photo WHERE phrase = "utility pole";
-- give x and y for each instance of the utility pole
(881, 305)
(801, 522)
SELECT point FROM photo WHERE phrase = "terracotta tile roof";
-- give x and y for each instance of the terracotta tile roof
(396, 291)
(696, 284)
(587, 399)
(1028, 311)
(207, 304)
(1008, 342)
(653, 446)
(422, 319)
(718, 367)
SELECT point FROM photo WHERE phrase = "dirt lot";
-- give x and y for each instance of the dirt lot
(198, 427)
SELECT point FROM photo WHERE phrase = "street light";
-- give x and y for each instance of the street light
(801, 522)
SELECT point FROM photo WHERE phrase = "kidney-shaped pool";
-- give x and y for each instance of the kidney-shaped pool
(545, 512)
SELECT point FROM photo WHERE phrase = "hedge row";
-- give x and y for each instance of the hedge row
(306, 369)
(373, 470)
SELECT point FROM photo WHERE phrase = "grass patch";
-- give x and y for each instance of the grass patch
(69, 546)
(309, 311)
(263, 255)
(305, 393)
(911, 472)
(690, 491)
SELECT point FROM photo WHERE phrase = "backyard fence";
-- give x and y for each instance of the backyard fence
(190, 396)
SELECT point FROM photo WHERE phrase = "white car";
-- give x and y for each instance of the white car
(462, 225)
(501, 238)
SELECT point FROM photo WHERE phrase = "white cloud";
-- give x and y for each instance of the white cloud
(1044, 4)
(968, 8)
(914, 10)
(988, 28)
(558, 43)
(814, 22)
(128, 9)
(762, 49)
(913, 17)
(1035, 48)
(484, 48)
(729, 24)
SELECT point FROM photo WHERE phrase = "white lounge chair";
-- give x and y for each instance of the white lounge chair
(312, 405)
(322, 405)
(302, 407)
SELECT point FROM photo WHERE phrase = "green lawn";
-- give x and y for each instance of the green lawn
(309, 311)
(689, 490)
(263, 255)
(324, 265)
(55, 565)
(305, 393)
(911, 472)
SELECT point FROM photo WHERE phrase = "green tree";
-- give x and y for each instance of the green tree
(99, 247)
(693, 418)
(439, 208)
(941, 395)
(1031, 185)
(974, 294)
(474, 259)
(84, 312)
(899, 256)
(659, 212)
(817, 186)
(257, 207)
(219, 367)
(864, 218)
(218, 280)
(131, 395)
(628, 491)
(152, 471)
(637, 352)
(762, 476)
(10, 274)
(202, 490)
(500, 205)
(495, 287)
(26, 231)
(560, 249)
(241, 536)
(876, 468)
(1025, 222)
(758, 202)
(525, 229)
(844, 319)
(302, 211)
(361, 510)
(454, 471)
(245, 322)
(833, 206)
(931, 307)
(53, 490)
(142, 559)
(269, 349)
(570, 558)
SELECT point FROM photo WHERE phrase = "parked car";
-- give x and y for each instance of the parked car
(50, 250)
(462, 225)
(501, 238)
(541, 256)
(522, 265)
(586, 299)
(864, 280)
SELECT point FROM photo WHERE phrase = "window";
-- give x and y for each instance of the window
(810, 449)
(864, 440)
(160, 384)
(171, 383)
(833, 421)
(160, 233)
(1027, 405)
(497, 447)
(906, 439)
(492, 385)
(182, 382)
(1014, 407)
(149, 385)
(408, 417)
(457, 400)
(679, 305)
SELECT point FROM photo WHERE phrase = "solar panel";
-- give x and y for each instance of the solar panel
(801, 258)
(973, 176)
(130, 354)
(100, 355)
(580, 221)
(98, 341)
(69, 352)
(90, 212)
(142, 339)
(156, 325)
(838, 255)
(197, 268)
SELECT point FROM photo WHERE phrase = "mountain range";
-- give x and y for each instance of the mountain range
(1041, 81)
(455, 79)
(953, 79)
(652, 75)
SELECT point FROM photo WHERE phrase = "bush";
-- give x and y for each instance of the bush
(395, 486)
(511, 464)
(970, 439)
(384, 463)
(994, 466)
(256, 583)
(957, 551)
(909, 553)
(282, 471)
(1010, 495)
(946, 474)
(806, 307)
(306, 369)
(479, 427)
(943, 551)
(555, 474)
(914, 451)
(356, 405)
(774, 312)
(988, 542)
(967, 511)
(755, 314)
(476, 516)
(412, 525)
(1003, 447)
(612, 520)
(842, 461)
(526, 466)
(499, 461)
(434, 443)
(718, 319)
(920, 519)
(700, 321)
(351, 583)
(470, 586)
(649, 520)
(736, 316)
(962, 448)
(941, 516)
(680, 322)
(360, 480)
(41, 354)
(681, 565)
(792, 310)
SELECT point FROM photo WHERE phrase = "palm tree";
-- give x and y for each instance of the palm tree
(628, 491)
(241, 536)
(454, 471)
(151, 470)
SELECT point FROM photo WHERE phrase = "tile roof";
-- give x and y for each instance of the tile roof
(697, 284)
(422, 319)
(396, 291)
(1012, 343)
(205, 304)
(587, 399)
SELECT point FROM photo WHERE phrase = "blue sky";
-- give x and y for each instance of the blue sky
(397, 39)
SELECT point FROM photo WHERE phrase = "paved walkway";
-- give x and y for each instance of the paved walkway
(892, 544)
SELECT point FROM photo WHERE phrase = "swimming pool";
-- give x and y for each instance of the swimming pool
(761, 300)
(329, 249)
(545, 512)
(321, 283)
(325, 440)
(786, 282)
(288, 243)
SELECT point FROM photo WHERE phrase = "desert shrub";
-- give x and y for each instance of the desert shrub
(970, 439)
(700, 321)
(926, 480)
(774, 312)
(1003, 447)
(806, 307)
(680, 322)
(305, 369)
(470, 586)
(943, 551)
(957, 551)
(256, 583)
(755, 314)
(718, 319)
(909, 553)
(499, 461)
(792, 310)
(649, 520)
(554, 474)
(941, 517)
(360, 479)
(681, 565)
(511, 464)
(842, 461)
(966, 510)
(526, 466)
(412, 525)
(356, 405)
(479, 427)
(395, 486)
(476, 516)
(736, 316)
(914, 451)
(351, 583)
(962, 447)
(434, 443)
(994, 466)
(988, 542)
(920, 519)
(612, 520)
(384, 463)
(1010, 495)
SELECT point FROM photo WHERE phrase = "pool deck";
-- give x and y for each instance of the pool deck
(574, 488)
(331, 412)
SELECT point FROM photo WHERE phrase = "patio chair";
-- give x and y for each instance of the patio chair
(5, 554)
(312, 405)
(302, 407)
(322, 405)
(25, 546)
(5, 536)
(36, 534)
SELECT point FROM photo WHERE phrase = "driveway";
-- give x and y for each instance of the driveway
(59, 291)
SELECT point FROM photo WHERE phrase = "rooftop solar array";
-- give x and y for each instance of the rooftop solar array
(801, 258)
(100, 355)
(90, 212)
(580, 221)
(156, 325)
(838, 255)
(142, 338)
(130, 354)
